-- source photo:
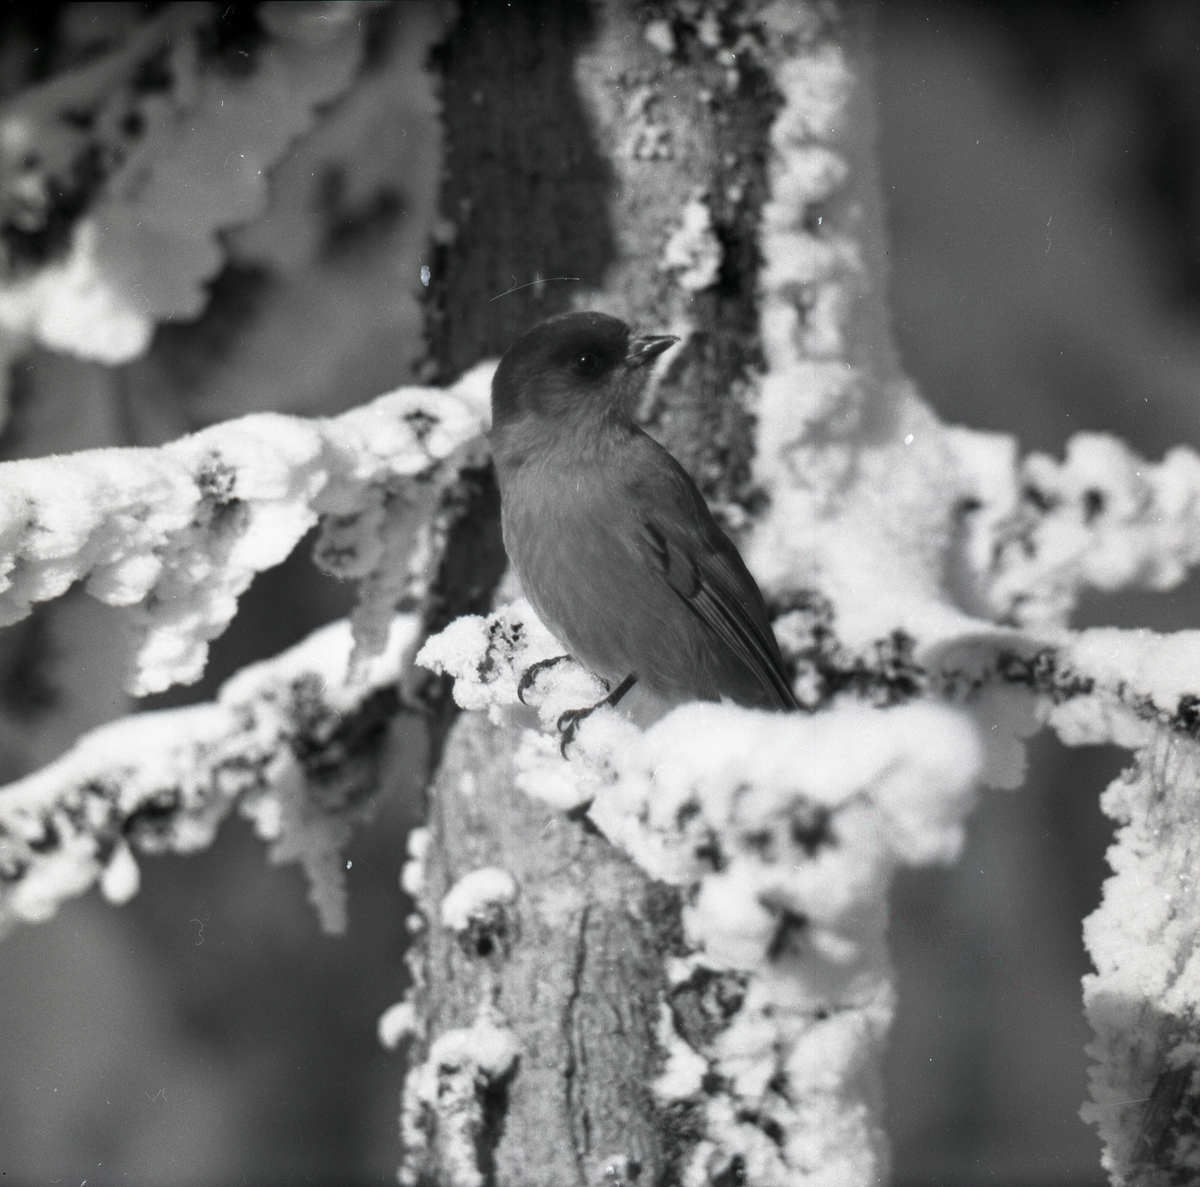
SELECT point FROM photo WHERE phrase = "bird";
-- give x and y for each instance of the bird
(612, 542)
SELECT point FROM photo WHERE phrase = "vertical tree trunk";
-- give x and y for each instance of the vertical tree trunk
(573, 967)
(602, 157)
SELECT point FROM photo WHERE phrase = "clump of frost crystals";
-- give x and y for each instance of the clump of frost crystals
(488, 658)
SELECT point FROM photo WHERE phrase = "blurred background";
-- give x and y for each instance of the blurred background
(1041, 164)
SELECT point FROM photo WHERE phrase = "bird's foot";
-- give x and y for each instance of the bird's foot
(531, 673)
(568, 722)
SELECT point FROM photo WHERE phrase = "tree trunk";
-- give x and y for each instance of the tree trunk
(597, 157)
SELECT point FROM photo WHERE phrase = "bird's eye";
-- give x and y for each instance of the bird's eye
(587, 364)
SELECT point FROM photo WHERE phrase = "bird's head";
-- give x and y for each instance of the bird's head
(573, 364)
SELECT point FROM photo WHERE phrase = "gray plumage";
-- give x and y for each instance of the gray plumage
(613, 543)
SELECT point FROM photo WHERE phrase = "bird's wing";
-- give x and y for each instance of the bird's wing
(707, 573)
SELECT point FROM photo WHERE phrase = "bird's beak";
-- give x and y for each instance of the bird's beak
(647, 348)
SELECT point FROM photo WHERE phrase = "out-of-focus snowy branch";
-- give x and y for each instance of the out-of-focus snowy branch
(115, 179)
(1143, 1001)
(294, 742)
(176, 534)
(925, 541)
(1102, 518)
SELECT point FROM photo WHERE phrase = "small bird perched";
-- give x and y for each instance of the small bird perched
(614, 545)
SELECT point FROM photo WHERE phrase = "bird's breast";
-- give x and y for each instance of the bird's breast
(570, 540)
(552, 517)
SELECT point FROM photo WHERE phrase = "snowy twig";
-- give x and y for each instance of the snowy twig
(294, 742)
(149, 175)
(176, 534)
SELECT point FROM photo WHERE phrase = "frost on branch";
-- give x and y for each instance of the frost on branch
(869, 491)
(784, 832)
(397, 1023)
(453, 1098)
(488, 658)
(478, 900)
(1103, 518)
(176, 534)
(116, 179)
(293, 742)
(1143, 1001)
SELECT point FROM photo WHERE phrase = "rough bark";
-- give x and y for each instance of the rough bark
(574, 967)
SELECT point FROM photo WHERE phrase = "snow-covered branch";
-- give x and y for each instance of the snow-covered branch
(174, 535)
(294, 743)
(161, 149)
(781, 833)
(1143, 1001)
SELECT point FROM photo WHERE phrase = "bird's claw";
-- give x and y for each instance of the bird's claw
(568, 723)
(531, 673)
